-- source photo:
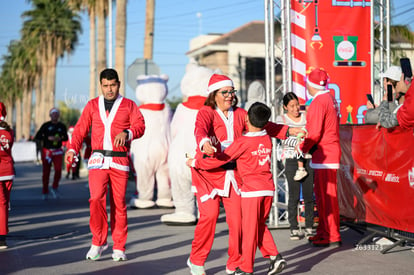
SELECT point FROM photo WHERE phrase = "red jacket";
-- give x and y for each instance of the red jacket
(124, 115)
(6, 159)
(252, 153)
(323, 132)
(405, 115)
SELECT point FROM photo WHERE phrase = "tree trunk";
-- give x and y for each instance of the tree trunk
(92, 54)
(18, 132)
(120, 37)
(51, 81)
(38, 99)
(43, 85)
(27, 114)
(101, 37)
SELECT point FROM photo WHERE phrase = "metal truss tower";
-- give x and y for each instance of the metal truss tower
(380, 60)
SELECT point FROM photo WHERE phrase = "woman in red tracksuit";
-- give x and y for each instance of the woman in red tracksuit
(252, 153)
(218, 124)
(323, 134)
(6, 174)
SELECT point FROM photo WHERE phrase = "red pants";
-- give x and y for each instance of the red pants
(255, 233)
(49, 157)
(326, 194)
(5, 188)
(99, 179)
(206, 227)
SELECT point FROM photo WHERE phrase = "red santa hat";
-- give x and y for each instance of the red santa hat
(3, 112)
(318, 79)
(71, 129)
(218, 81)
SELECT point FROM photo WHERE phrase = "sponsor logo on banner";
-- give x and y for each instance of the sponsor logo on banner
(392, 178)
(411, 177)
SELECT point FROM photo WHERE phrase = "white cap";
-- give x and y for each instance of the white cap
(393, 72)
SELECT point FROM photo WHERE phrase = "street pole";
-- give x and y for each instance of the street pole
(149, 30)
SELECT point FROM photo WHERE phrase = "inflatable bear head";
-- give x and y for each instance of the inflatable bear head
(152, 88)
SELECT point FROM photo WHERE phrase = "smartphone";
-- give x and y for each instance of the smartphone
(406, 67)
(389, 93)
(369, 97)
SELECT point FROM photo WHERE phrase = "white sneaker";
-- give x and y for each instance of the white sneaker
(229, 271)
(179, 218)
(55, 193)
(300, 174)
(196, 269)
(95, 252)
(309, 233)
(294, 235)
(119, 255)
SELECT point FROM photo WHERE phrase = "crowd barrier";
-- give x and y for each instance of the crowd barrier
(376, 178)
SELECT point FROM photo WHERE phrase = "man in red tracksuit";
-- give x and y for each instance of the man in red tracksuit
(323, 138)
(115, 121)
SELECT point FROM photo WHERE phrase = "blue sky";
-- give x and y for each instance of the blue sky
(176, 23)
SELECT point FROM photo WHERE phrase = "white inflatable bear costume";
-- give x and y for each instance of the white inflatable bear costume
(149, 153)
(193, 87)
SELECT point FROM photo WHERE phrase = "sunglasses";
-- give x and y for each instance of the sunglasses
(228, 93)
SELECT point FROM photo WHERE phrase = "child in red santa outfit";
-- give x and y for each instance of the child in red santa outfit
(252, 153)
(6, 174)
(323, 134)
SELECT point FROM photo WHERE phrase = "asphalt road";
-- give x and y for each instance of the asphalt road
(52, 237)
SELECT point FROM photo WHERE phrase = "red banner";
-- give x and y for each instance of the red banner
(376, 179)
(333, 35)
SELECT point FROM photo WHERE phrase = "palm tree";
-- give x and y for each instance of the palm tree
(120, 38)
(57, 28)
(24, 66)
(8, 86)
(90, 7)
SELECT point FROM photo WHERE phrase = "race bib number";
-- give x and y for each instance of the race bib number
(96, 161)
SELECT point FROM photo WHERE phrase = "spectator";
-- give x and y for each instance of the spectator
(252, 153)
(293, 162)
(51, 135)
(6, 174)
(113, 121)
(391, 76)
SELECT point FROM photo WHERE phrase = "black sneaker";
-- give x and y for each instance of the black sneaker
(276, 265)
